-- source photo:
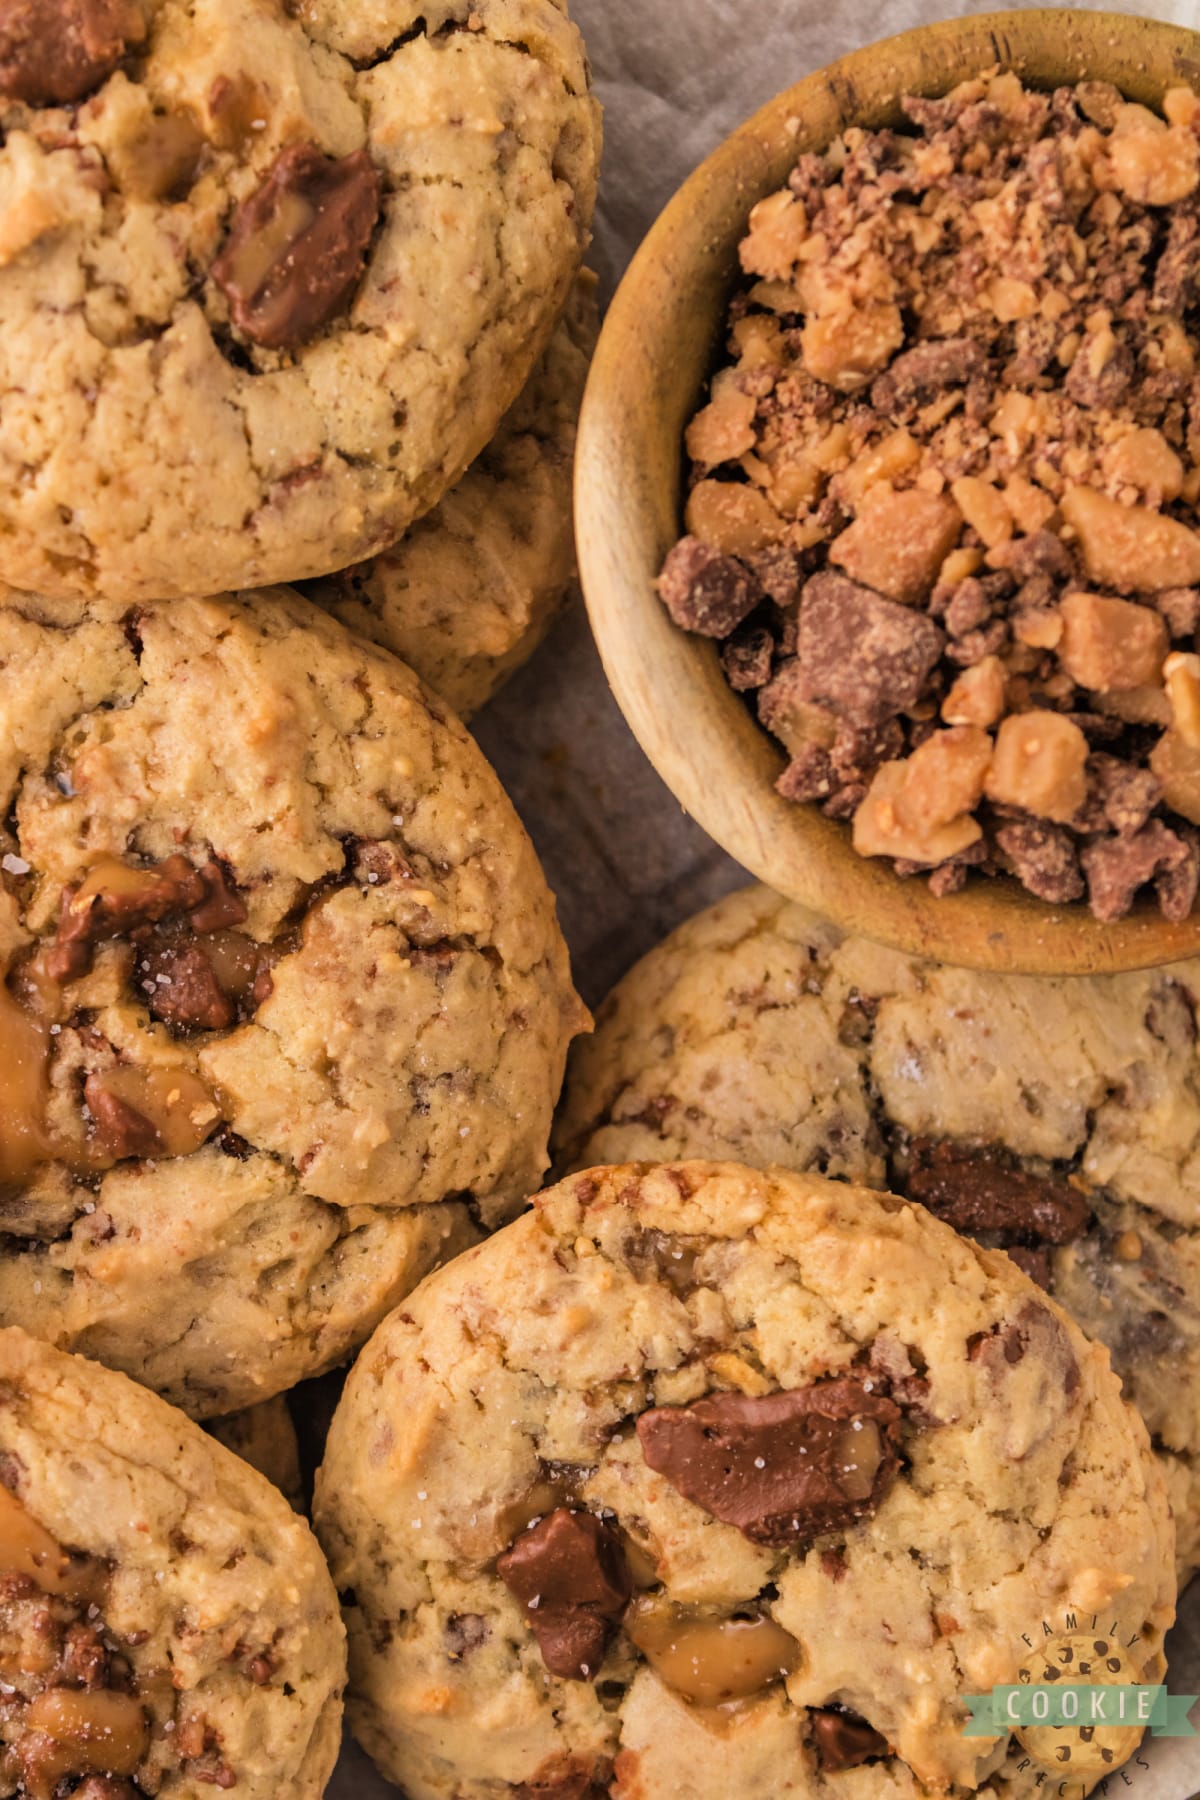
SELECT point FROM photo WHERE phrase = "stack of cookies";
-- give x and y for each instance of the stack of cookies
(738, 1459)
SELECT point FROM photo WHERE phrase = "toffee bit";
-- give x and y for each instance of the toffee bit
(947, 477)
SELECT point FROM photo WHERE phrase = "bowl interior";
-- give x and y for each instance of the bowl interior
(655, 354)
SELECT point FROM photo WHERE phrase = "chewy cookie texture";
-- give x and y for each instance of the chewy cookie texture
(286, 1005)
(942, 509)
(689, 1435)
(168, 1625)
(270, 275)
(1058, 1120)
(469, 591)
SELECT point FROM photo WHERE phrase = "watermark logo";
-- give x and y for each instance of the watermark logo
(1078, 1709)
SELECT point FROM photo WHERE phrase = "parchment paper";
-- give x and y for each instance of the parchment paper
(626, 864)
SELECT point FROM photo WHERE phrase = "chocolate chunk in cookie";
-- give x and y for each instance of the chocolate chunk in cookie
(183, 991)
(569, 1573)
(222, 906)
(784, 1467)
(844, 1739)
(54, 52)
(296, 249)
(975, 1191)
(1034, 1330)
(564, 1779)
(116, 900)
(121, 1130)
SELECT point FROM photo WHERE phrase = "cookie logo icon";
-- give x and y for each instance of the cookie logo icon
(1080, 1707)
(1094, 1737)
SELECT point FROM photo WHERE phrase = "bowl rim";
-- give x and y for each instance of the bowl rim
(638, 399)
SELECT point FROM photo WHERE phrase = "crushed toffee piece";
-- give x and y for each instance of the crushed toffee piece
(943, 492)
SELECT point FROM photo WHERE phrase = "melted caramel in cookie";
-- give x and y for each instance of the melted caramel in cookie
(707, 1657)
(24, 1090)
(175, 1103)
(62, 1729)
(27, 1548)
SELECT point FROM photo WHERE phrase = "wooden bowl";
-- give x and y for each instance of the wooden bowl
(655, 353)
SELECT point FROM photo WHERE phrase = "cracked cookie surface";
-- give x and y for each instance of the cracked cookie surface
(469, 592)
(699, 1479)
(271, 276)
(285, 1000)
(1059, 1119)
(169, 1625)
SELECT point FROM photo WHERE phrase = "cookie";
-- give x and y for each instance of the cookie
(468, 593)
(168, 1623)
(270, 275)
(1058, 1119)
(265, 1437)
(688, 1436)
(286, 993)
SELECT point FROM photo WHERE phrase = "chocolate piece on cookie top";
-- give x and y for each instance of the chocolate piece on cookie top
(569, 1573)
(975, 1189)
(844, 1740)
(297, 247)
(54, 52)
(563, 1778)
(781, 1467)
(982, 1190)
(118, 899)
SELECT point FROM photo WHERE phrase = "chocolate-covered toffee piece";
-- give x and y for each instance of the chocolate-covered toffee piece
(54, 52)
(608, 1436)
(115, 900)
(569, 1573)
(844, 1740)
(704, 591)
(297, 248)
(977, 1190)
(781, 1467)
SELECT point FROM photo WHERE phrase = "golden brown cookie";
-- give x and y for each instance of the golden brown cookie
(285, 1000)
(699, 1480)
(270, 275)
